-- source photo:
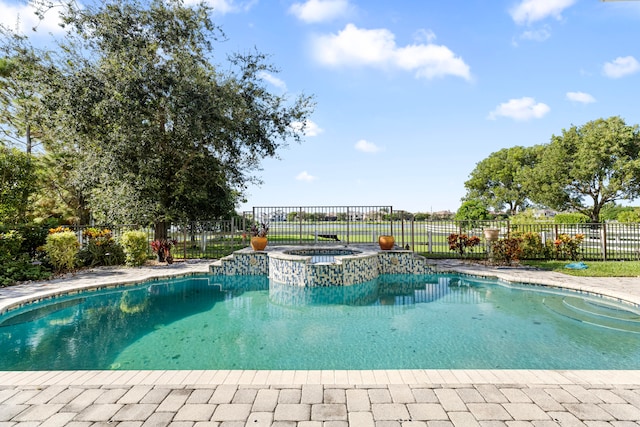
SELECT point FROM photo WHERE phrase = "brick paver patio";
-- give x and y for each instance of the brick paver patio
(397, 398)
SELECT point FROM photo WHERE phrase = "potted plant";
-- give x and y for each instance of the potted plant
(259, 236)
(162, 248)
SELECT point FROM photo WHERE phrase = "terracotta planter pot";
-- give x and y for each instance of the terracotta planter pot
(386, 242)
(491, 234)
(258, 243)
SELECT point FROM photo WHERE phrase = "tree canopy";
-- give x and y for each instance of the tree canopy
(498, 180)
(17, 184)
(151, 130)
(587, 167)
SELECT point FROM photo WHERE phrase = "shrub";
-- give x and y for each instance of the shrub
(461, 242)
(532, 246)
(566, 246)
(34, 236)
(15, 264)
(629, 216)
(507, 250)
(570, 218)
(62, 249)
(101, 249)
(10, 243)
(21, 269)
(134, 244)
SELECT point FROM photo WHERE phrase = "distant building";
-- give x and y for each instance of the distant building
(544, 213)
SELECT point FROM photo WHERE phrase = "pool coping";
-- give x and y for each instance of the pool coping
(623, 289)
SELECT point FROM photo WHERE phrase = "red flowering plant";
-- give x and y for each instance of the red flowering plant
(461, 242)
(162, 247)
(507, 250)
(566, 246)
(260, 230)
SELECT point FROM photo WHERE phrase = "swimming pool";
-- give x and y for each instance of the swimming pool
(393, 322)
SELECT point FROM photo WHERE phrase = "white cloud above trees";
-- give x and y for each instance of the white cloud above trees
(22, 18)
(367, 147)
(530, 11)
(272, 80)
(311, 128)
(224, 6)
(357, 47)
(313, 11)
(581, 97)
(306, 177)
(621, 66)
(520, 109)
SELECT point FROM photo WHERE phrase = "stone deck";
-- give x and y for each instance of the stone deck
(394, 398)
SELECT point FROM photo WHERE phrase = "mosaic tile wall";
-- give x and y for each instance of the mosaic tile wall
(402, 262)
(242, 264)
(300, 272)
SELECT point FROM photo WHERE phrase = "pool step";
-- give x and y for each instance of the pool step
(595, 312)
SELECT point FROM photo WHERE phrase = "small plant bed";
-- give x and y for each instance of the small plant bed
(595, 268)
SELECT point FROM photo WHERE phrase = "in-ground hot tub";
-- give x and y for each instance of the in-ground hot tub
(331, 266)
(323, 255)
(306, 266)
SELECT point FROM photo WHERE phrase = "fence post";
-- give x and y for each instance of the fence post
(300, 226)
(184, 242)
(429, 242)
(348, 223)
(412, 233)
(203, 244)
(603, 236)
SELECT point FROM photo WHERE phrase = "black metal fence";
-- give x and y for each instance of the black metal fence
(318, 225)
(600, 241)
(348, 225)
(194, 240)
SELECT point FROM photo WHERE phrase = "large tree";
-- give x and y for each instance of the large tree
(498, 181)
(17, 183)
(23, 84)
(163, 133)
(587, 167)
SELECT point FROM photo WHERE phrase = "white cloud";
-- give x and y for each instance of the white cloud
(273, 80)
(361, 47)
(311, 128)
(423, 35)
(22, 18)
(320, 10)
(304, 176)
(224, 6)
(520, 109)
(367, 147)
(539, 35)
(529, 11)
(621, 66)
(581, 97)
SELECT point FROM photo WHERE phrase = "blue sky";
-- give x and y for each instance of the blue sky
(412, 94)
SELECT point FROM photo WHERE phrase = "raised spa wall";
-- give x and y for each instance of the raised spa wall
(362, 266)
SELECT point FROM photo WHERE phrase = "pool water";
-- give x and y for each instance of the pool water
(394, 322)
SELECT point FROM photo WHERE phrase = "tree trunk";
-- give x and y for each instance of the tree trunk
(160, 230)
(28, 138)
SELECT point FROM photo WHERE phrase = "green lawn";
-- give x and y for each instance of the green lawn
(596, 268)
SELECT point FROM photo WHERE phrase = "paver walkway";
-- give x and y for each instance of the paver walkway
(396, 398)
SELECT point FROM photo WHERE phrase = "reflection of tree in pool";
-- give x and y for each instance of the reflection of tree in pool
(102, 327)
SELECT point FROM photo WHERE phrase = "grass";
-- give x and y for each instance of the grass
(596, 268)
